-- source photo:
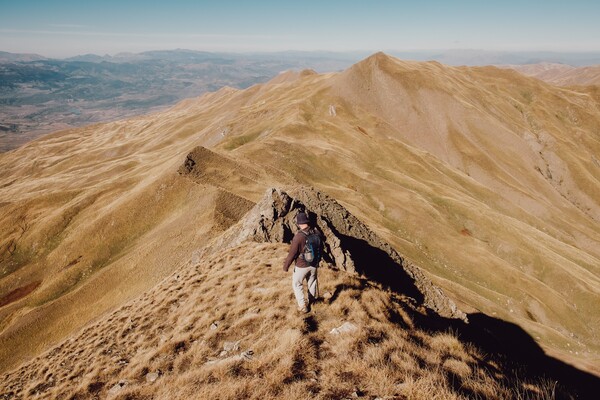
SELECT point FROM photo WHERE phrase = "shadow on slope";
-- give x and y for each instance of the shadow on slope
(522, 359)
(507, 352)
(377, 265)
(520, 350)
(352, 247)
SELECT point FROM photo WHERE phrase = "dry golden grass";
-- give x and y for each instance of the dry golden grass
(241, 298)
(508, 158)
(96, 226)
(418, 151)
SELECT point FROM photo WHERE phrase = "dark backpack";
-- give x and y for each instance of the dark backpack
(312, 249)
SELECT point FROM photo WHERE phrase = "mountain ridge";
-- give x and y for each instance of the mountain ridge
(186, 338)
(491, 191)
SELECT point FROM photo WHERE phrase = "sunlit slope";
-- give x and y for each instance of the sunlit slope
(94, 216)
(487, 179)
(226, 328)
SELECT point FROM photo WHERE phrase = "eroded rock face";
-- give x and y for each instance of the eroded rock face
(350, 245)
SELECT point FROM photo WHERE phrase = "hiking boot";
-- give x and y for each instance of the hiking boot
(303, 309)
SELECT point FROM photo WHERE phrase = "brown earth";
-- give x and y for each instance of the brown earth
(19, 293)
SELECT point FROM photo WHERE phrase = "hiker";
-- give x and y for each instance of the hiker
(305, 249)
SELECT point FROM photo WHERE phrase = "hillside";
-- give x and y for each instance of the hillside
(449, 162)
(484, 178)
(40, 96)
(223, 328)
(561, 74)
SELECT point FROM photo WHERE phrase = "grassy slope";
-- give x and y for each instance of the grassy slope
(98, 216)
(484, 178)
(178, 334)
(511, 222)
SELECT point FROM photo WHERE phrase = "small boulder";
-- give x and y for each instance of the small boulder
(346, 327)
(247, 355)
(253, 310)
(113, 391)
(231, 346)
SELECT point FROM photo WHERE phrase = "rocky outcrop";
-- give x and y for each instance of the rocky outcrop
(208, 167)
(350, 245)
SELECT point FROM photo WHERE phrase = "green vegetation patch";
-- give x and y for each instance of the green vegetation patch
(527, 96)
(237, 141)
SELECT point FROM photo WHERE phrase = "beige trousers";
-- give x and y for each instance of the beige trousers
(300, 274)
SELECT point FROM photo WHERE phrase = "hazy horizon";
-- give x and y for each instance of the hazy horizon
(352, 55)
(68, 28)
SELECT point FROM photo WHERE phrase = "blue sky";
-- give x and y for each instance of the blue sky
(65, 28)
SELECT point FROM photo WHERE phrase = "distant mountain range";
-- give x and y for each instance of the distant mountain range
(481, 57)
(450, 57)
(39, 95)
(561, 74)
(21, 57)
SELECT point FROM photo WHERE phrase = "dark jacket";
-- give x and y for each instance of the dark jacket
(296, 248)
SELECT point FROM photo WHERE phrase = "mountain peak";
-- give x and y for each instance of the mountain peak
(379, 60)
(379, 56)
(391, 64)
(384, 75)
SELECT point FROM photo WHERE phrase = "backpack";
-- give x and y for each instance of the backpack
(312, 249)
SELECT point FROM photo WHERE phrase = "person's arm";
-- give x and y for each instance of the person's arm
(293, 253)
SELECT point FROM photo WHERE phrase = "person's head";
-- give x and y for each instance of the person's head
(302, 220)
